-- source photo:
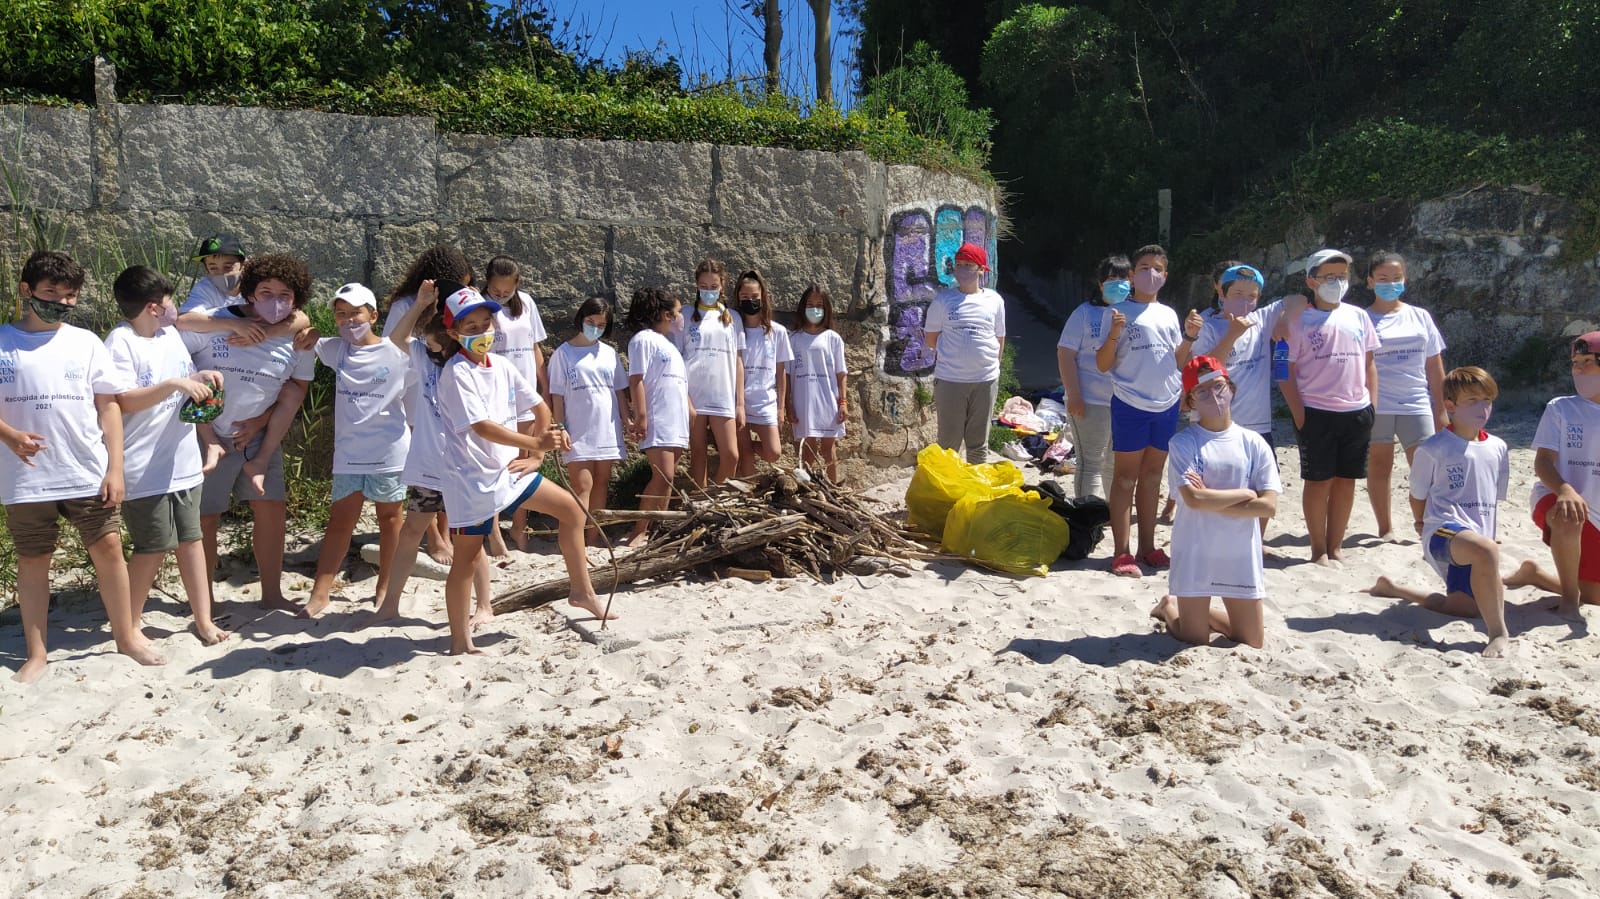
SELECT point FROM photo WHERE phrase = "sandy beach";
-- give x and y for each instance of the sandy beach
(952, 733)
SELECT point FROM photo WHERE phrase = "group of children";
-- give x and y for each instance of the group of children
(441, 420)
(1355, 382)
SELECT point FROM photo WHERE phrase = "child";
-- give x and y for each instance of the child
(966, 372)
(712, 344)
(1240, 335)
(1087, 388)
(818, 405)
(1194, 324)
(1144, 408)
(439, 263)
(1410, 404)
(1332, 380)
(659, 384)
(766, 386)
(1458, 476)
(222, 257)
(423, 472)
(518, 333)
(58, 407)
(370, 438)
(265, 383)
(1566, 492)
(1227, 479)
(589, 395)
(160, 455)
(491, 413)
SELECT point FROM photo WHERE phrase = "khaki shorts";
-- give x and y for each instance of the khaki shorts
(157, 524)
(35, 526)
(228, 482)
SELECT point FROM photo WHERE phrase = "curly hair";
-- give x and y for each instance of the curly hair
(647, 306)
(51, 267)
(280, 266)
(439, 262)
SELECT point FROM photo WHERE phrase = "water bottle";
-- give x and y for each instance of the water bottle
(1280, 360)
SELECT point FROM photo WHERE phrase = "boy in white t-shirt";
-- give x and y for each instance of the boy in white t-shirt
(61, 421)
(1459, 476)
(1332, 381)
(1226, 480)
(161, 457)
(370, 438)
(966, 329)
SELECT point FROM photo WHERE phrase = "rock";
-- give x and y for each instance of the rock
(47, 151)
(637, 880)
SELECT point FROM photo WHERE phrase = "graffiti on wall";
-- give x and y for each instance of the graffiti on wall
(922, 246)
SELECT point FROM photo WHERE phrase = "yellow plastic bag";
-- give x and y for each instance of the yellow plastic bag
(943, 477)
(1018, 532)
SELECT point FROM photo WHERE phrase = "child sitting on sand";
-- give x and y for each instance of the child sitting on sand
(1225, 479)
(1458, 477)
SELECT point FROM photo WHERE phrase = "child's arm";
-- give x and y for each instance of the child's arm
(541, 437)
(1067, 365)
(1570, 505)
(558, 408)
(844, 399)
(1237, 328)
(1105, 358)
(542, 376)
(641, 408)
(738, 388)
(25, 444)
(1418, 507)
(111, 488)
(296, 322)
(283, 414)
(197, 388)
(203, 321)
(1206, 499)
(1185, 348)
(427, 296)
(1435, 370)
(782, 371)
(1372, 379)
(1291, 396)
(1261, 505)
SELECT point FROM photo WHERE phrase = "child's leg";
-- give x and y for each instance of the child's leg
(142, 571)
(467, 549)
(1125, 468)
(407, 543)
(497, 543)
(1566, 550)
(1380, 466)
(267, 532)
(390, 516)
(209, 526)
(1314, 499)
(1341, 501)
(481, 587)
(551, 500)
(980, 399)
(192, 571)
(342, 518)
(111, 573)
(748, 450)
(33, 594)
(1529, 574)
(830, 457)
(1188, 618)
(439, 539)
(596, 496)
(1435, 601)
(1240, 620)
(658, 493)
(726, 435)
(581, 475)
(698, 463)
(1152, 464)
(1488, 594)
(519, 531)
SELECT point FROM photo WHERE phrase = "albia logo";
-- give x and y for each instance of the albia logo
(73, 373)
(382, 376)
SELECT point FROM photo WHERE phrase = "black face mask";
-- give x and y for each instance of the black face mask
(750, 307)
(50, 313)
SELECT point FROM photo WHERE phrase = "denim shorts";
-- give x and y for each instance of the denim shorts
(380, 488)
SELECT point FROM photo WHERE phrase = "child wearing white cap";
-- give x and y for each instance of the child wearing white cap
(370, 437)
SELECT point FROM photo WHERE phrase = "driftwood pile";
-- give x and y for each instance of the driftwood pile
(772, 525)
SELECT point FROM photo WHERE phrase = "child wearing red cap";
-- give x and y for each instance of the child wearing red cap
(1226, 480)
(971, 320)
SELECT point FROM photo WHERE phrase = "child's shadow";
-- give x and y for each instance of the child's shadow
(1104, 652)
(1408, 623)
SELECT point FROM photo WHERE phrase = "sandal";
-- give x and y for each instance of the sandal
(1125, 565)
(1155, 558)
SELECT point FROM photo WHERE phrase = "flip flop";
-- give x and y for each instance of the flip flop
(1124, 565)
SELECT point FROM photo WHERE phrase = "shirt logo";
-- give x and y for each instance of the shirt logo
(1574, 436)
(1456, 475)
(1315, 338)
(382, 376)
(73, 373)
(8, 369)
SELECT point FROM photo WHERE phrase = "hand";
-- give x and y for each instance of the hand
(306, 339)
(844, 413)
(1418, 525)
(1192, 324)
(790, 417)
(211, 378)
(526, 464)
(1294, 305)
(1570, 506)
(246, 333)
(1193, 478)
(25, 444)
(558, 439)
(1238, 326)
(1076, 407)
(111, 489)
(1118, 322)
(427, 294)
(738, 416)
(193, 388)
(257, 470)
(1299, 419)
(1441, 423)
(246, 431)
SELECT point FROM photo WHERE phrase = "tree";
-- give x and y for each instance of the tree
(772, 44)
(822, 15)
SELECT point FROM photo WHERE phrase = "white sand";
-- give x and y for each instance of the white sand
(953, 733)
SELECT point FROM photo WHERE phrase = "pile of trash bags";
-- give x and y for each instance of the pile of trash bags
(983, 513)
(1040, 434)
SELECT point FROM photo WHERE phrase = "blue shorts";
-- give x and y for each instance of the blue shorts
(482, 528)
(1133, 429)
(1457, 578)
(380, 488)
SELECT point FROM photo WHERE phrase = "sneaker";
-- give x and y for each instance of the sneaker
(1016, 452)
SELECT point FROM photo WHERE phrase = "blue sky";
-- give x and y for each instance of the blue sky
(710, 37)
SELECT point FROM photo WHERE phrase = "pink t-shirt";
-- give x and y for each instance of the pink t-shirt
(1329, 351)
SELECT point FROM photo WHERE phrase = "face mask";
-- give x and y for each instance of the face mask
(750, 307)
(1148, 280)
(814, 314)
(274, 310)
(710, 298)
(967, 276)
(1586, 383)
(1473, 416)
(1115, 292)
(1389, 291)
(355, 332)
(168, 316)
(1213, 403)
(1238, 307)
(1332, 292)
(225, 284)
(592, 333)
(479, 344)
(51, 313)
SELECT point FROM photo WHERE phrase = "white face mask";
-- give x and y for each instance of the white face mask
(814, 314)
(1332, 292)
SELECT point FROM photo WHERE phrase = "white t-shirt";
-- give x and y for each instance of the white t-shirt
(477, 483)
(252, 376)
(1407, 339)
(587, 379)
(1329, 351)
(204, 297)
(397, 311)
(369, 413)
(666, 389)
(425, 456)
(814, 383)
(160, 454)
(763, 353)
(1571, 426)
(48, 382)
(1460, 481)
(1146, 374)
(515, 338)
(970, 326)
(711, 358)
(1083, 333)
(1215, 554)
(1249, 364)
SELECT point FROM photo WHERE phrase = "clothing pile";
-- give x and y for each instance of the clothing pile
(1040, 434)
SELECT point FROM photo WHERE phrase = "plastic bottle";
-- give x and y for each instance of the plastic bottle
(1280, 360)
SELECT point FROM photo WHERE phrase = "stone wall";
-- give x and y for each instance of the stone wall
(359, 197)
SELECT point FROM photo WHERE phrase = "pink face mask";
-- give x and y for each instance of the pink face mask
(1148, 280)
(1238, 307)
(1472, 416)
(274, 309)
(169, 315)
(1586, 383)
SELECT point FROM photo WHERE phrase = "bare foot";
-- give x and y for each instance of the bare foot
(592, 605)
(143, 652)
(1384, 587)
(635, 541)
(1497, 648)
(214, 454)
(315, 606)
(1163, 608)
(30, 671)
(1568, 609)
(468, 650)
(278, 603)
(1328, 562)
(497, 544)
(210, 634)
(442, 554)
(482, 615)
(1524, 576)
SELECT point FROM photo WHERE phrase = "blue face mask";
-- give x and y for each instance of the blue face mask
(1115, 292)
(592, 333)
(1389, 291)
